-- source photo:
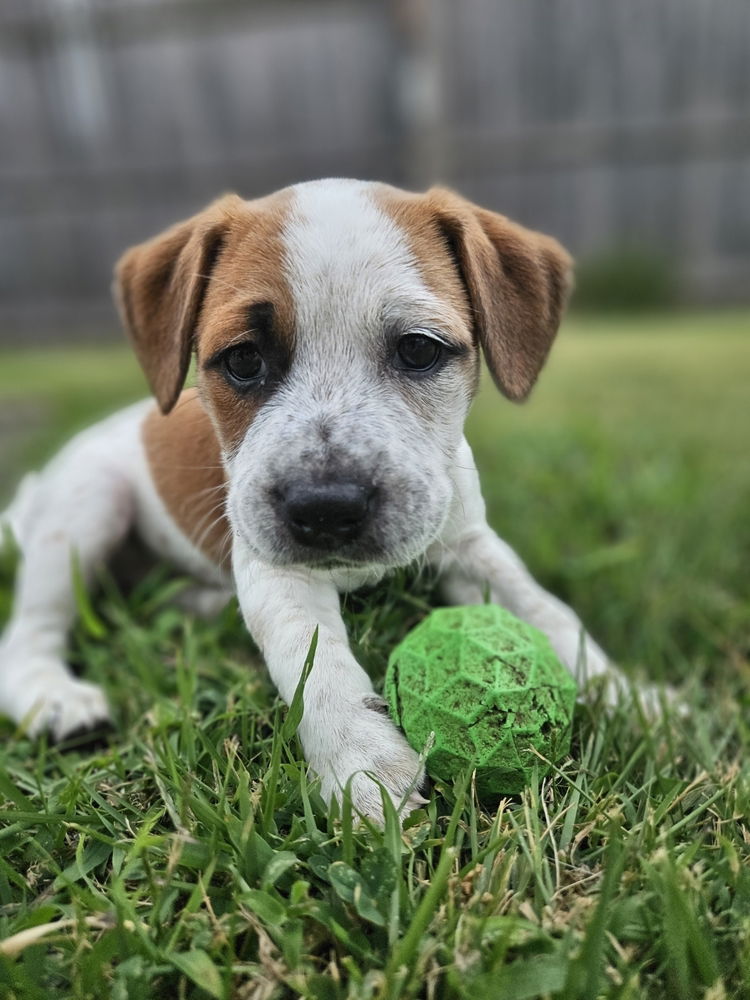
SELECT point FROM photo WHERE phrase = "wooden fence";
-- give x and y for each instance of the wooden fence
(604, 123)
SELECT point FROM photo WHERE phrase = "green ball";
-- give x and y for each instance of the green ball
(491, 689)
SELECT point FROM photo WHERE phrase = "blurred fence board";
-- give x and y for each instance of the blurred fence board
(601, 122)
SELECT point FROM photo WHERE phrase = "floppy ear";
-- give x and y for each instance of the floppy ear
(517, 281)
(159, 288)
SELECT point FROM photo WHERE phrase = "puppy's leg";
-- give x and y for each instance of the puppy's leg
(81, 510)
(345, 731)
(480, 561)
(473, 561)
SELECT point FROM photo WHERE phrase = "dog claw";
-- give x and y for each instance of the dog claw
(376, 704)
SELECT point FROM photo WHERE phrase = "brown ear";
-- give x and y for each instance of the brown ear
(518, 283)
(159, 288)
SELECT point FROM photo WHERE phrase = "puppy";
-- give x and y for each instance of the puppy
(336, 328)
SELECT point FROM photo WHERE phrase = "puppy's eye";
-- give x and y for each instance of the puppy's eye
(244, 363)
(417, 353)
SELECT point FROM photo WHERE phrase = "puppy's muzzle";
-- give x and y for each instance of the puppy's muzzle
(326, 514)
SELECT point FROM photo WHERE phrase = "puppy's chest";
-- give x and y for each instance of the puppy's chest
(184, 461)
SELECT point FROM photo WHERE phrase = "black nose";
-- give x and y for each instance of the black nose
(326, 513)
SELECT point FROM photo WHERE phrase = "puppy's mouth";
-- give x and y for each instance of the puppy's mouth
(353, 556)
(375, 549)
(333, 562)
(282, 550)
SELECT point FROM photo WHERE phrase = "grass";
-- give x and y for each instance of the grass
(195, 859)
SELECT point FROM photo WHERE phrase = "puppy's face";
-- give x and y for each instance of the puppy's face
(337, 327)
(338, 379)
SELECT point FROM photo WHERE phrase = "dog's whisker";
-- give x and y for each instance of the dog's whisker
(218, 513)
(200, 542)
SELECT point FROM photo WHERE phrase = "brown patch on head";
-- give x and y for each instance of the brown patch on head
(510, 283)
(248, 300)
(184, 457)
(421, 229)
(436, 267)
(194, 288)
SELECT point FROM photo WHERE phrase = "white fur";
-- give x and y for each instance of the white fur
(351, 274)
(343, 735)
(82, 504)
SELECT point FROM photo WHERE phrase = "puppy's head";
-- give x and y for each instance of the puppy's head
(337, 327)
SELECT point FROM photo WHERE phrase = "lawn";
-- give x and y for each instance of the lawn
(194, 858)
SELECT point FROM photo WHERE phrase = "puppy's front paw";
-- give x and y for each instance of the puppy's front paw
(583, 658)
(655, 701)
(369, 749)
(597, 676)
(45, 696)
